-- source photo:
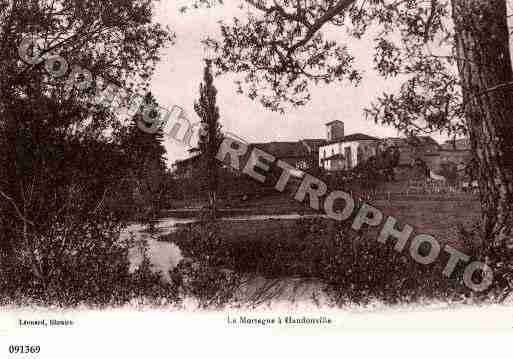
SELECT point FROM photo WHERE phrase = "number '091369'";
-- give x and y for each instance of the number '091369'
(24, 349)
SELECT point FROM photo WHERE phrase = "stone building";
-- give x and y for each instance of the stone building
(343, 152)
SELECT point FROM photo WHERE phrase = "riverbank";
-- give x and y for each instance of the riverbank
(277, 256)
(353, 267)
(442, 219)
(270, 249)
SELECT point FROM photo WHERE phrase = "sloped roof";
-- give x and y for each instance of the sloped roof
(353, 137)
(314, 143)
(288, 149)
(283, 149)
(334, 121)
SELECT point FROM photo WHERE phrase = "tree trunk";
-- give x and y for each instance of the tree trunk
(9, 177)
(484, 63)
(212, 203)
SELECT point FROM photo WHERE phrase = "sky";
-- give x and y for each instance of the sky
(179, 74)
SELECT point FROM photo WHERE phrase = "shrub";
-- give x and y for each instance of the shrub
(84, 263)
(203, 275)
(355, 266)
(210, 285)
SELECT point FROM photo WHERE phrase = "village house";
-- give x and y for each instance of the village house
(457, 152)
(184, 169)
(454, 153)
(302, 155)
(340, 152)
(413, 148)
(343, 152)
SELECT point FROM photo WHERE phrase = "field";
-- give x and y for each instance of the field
(438, 218)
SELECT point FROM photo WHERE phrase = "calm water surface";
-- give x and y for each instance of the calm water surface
(165, 256)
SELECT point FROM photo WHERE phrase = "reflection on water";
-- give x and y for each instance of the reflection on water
(255, 290)
(164, 256)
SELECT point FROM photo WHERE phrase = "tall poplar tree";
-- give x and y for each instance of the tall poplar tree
(210, 138)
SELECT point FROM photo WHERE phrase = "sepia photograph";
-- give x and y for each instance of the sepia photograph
(251, 168)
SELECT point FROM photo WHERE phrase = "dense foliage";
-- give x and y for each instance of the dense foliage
(355, 266)
(211, 137)
(65, 157)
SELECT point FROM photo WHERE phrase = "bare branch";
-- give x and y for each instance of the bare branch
(319, 23)
(22, 217)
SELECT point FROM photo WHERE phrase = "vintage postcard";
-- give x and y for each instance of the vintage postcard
(175, 172)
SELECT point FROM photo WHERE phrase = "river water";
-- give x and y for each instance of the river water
(164, 255)
(256, 290)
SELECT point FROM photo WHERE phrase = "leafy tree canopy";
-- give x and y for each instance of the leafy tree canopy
(283, 47)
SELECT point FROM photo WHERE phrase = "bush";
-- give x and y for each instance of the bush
(355, 266)
(202, 275)
(210, 285)
(86, 263)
